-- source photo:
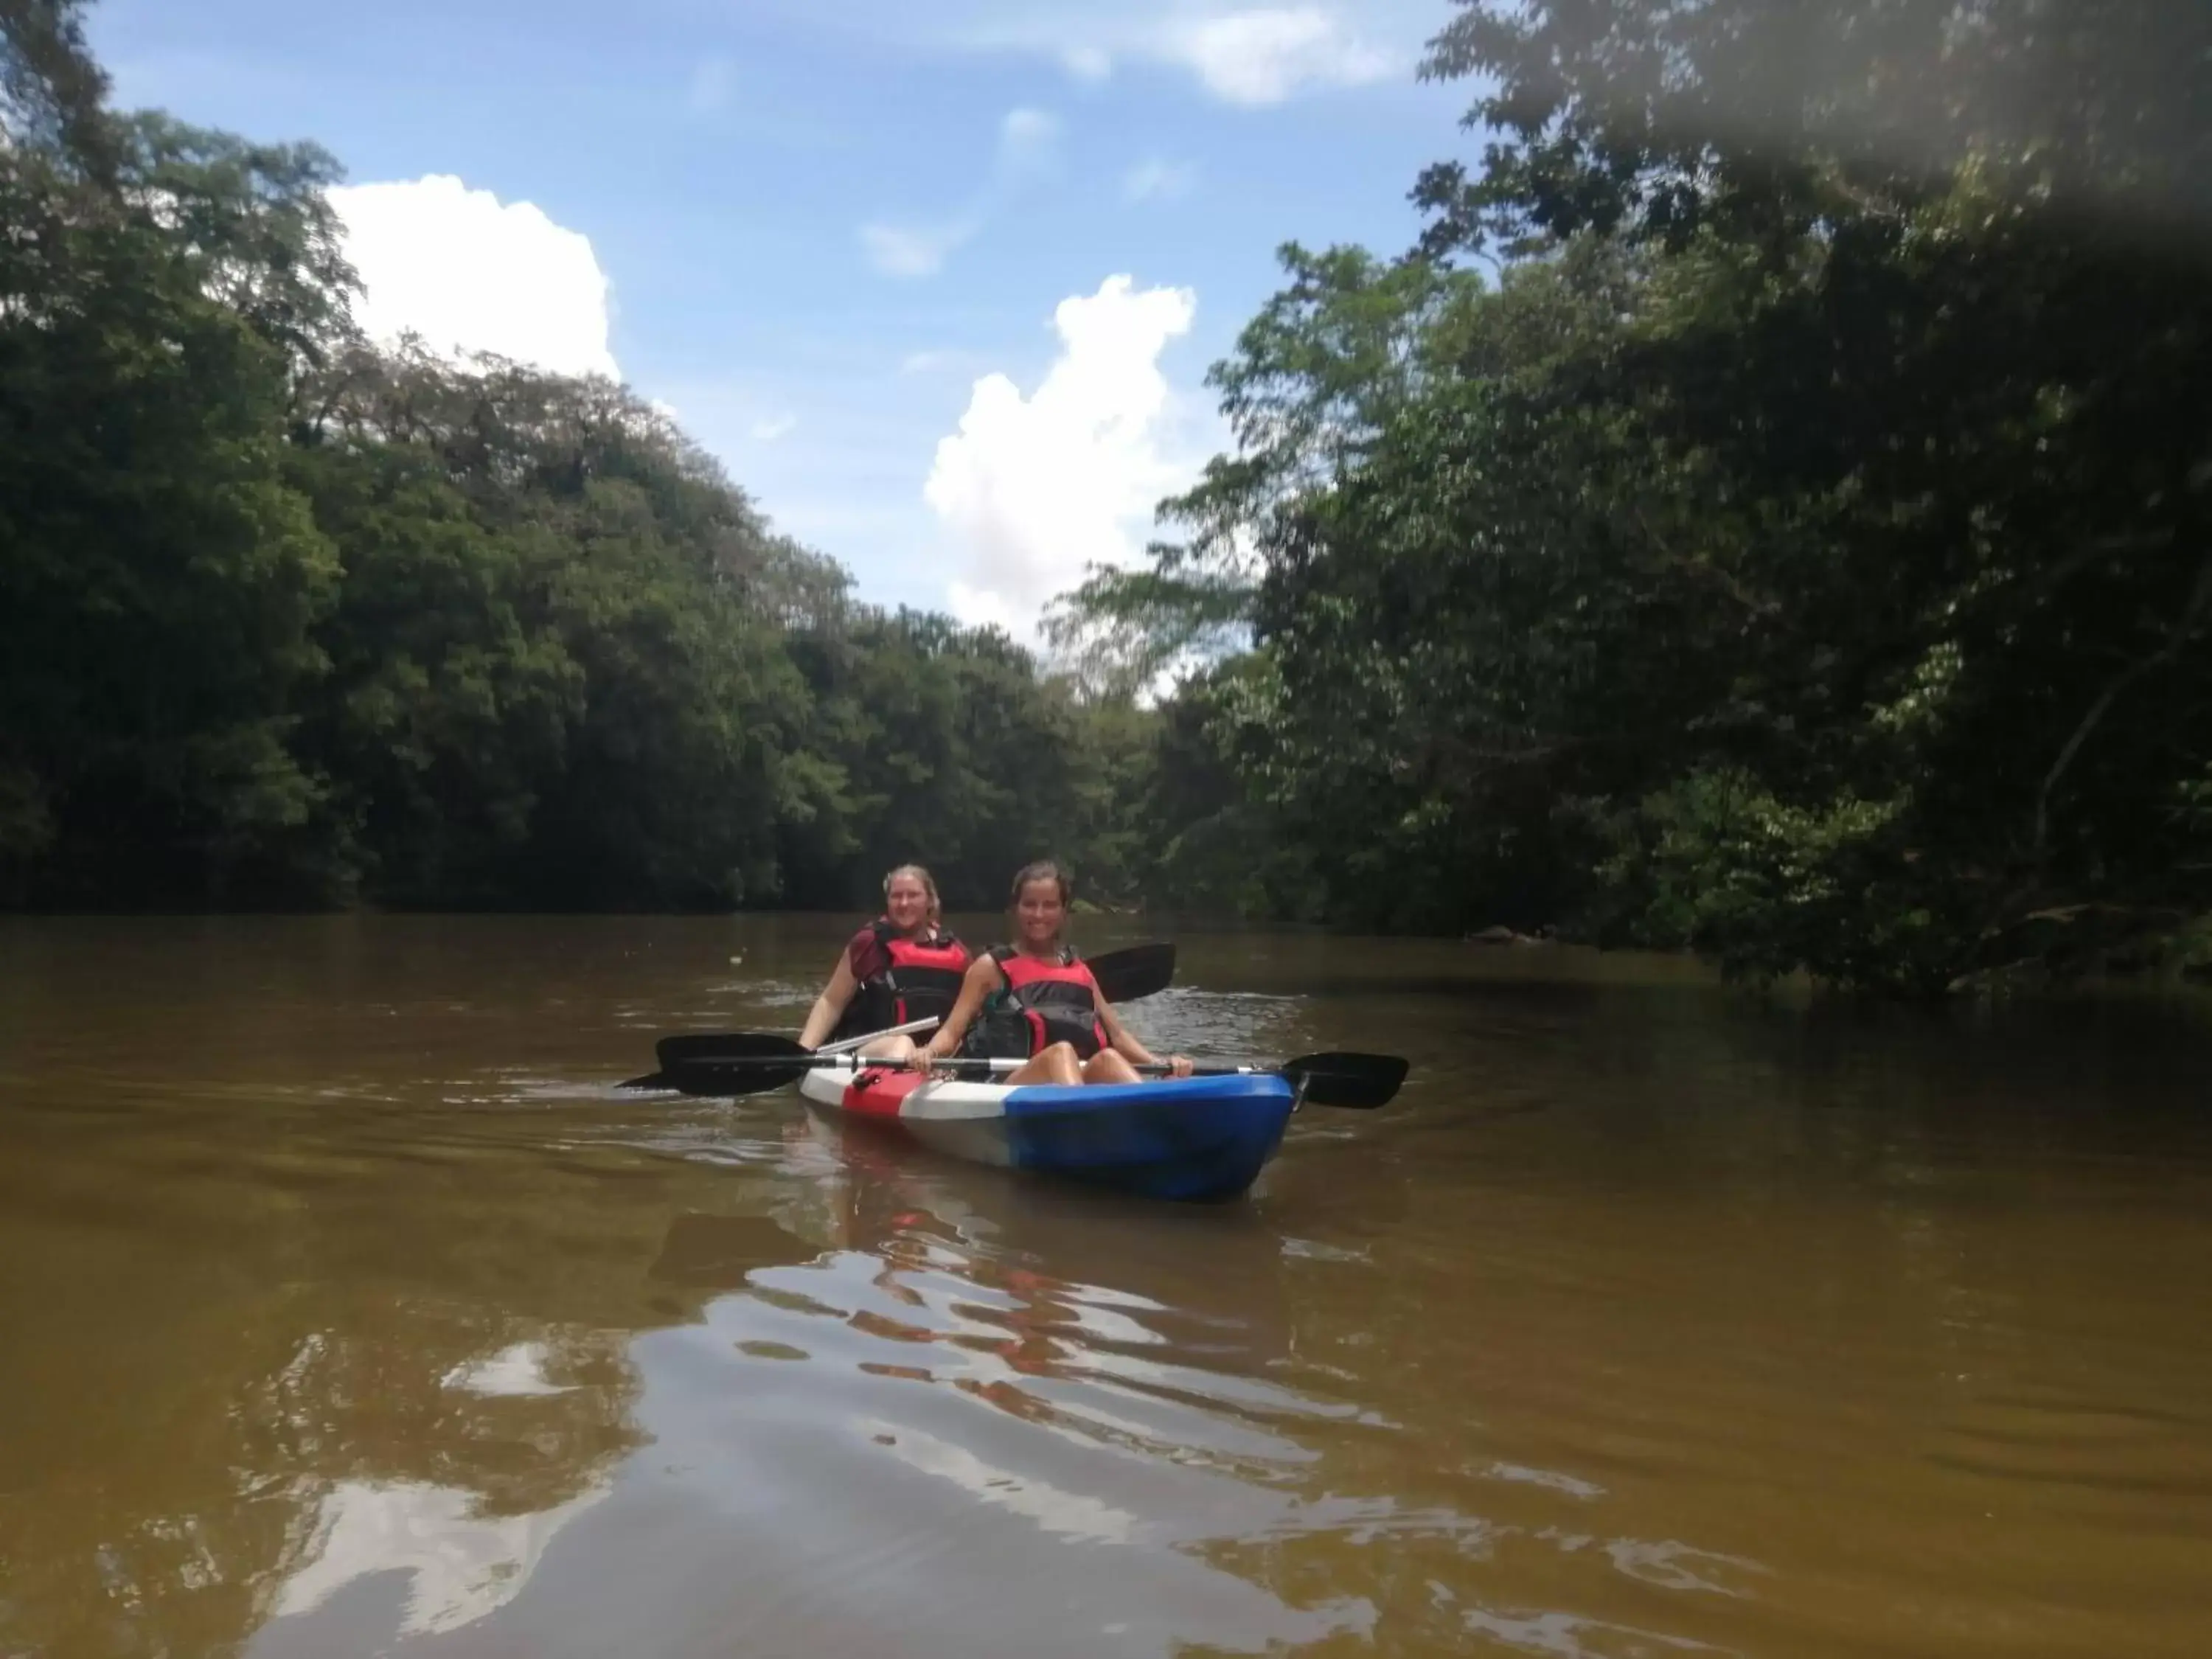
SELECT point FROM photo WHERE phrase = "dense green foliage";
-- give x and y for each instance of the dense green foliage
(1771, 513)
(1799, 548)
(286, 619)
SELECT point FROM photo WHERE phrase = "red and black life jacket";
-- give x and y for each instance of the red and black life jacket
(1043, 1003)
(921, 978)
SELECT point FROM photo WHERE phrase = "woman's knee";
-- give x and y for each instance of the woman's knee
(1107, 1067)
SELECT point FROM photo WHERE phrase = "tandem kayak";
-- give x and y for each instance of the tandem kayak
(1196, 1137)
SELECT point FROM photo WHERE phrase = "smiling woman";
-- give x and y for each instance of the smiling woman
(902, 967)
(1039, 1000)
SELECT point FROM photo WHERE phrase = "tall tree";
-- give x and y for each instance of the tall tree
(158, 581)
(52, 95)
(1801, 551)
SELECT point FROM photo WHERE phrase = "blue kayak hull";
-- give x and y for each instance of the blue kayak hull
(1192, 1140)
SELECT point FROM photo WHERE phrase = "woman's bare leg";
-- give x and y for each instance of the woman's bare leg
(1107, 1067)
(897, 1049)
(1056, 1064)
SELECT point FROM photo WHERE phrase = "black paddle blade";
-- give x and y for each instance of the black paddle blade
(1138, 971)
(1361, 1082)
(725, 1063)
(725, 1077)
(674, 1051)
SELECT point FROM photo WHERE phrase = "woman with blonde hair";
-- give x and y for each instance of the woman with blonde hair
(1049, 1005)
(902, 967)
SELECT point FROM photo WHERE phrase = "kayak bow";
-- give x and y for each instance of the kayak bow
(1192, 1138)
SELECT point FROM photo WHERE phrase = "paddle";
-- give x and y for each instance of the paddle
(1355, 1081)
(692, 1046)
(706, 1045)
(740, 1063)
(1138, 970)
(1125, 976)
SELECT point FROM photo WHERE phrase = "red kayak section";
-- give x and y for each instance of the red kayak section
(879, 1094)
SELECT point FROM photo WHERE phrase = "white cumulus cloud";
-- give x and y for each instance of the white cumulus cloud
(1033, 488)
(471, 273)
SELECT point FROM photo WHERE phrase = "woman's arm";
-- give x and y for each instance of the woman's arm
(982, 979)
(830, 1007)
(1123, 1041)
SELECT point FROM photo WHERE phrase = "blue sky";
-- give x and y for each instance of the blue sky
(835, 240)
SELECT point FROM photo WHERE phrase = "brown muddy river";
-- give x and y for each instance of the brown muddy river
(345, 1308)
